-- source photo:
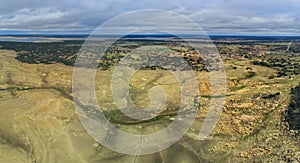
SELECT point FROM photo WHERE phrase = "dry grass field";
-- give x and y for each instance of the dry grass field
(38, 121)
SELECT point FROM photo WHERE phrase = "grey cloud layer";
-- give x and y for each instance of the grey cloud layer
(215, 16)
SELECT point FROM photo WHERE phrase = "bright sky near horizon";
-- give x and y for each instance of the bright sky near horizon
(257, 17)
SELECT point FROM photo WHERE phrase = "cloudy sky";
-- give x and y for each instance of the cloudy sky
(255, 17)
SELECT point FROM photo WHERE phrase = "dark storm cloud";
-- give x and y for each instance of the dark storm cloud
(215, 16)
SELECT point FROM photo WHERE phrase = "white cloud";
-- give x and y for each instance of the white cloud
(215, 16)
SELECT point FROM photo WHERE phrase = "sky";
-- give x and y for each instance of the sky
(246, 17)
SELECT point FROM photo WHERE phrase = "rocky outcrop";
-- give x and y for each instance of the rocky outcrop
(293, 112)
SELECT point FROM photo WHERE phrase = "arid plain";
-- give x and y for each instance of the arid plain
(38, 120)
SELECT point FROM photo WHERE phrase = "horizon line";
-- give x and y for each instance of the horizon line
(146, 34)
